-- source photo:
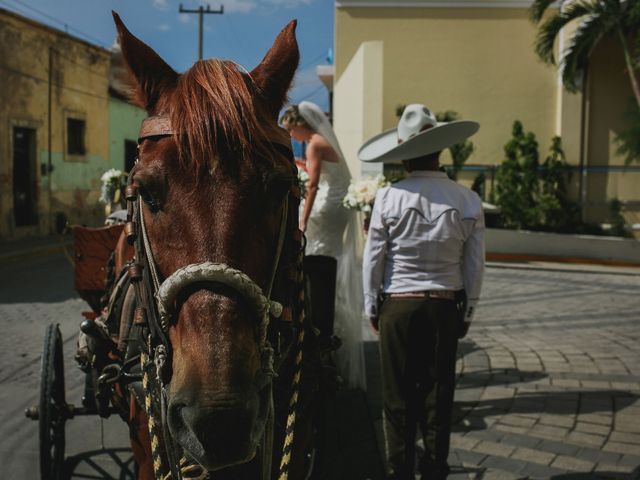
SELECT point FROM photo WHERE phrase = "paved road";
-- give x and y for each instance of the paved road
(549, 379)
(33, 294)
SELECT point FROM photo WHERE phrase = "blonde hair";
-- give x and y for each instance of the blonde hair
(292, 117)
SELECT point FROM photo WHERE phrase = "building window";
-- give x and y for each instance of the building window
(130, 154)
(75, 136)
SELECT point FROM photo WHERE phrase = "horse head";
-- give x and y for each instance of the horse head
(214, 191)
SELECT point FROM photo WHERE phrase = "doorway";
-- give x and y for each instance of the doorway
(25, 181)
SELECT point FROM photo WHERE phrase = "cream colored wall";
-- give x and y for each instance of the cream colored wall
(80, 88)
(476, 61)
(358, 95)
(610, 95)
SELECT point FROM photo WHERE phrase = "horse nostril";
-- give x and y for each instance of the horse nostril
(175, 417)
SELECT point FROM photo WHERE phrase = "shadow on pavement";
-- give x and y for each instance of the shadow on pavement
(46, 279)
(108, 464)
(635, 475)
(470, 415)
(502, 376)
(347, 442)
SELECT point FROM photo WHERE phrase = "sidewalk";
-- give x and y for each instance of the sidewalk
(548, 381)
(23, 249)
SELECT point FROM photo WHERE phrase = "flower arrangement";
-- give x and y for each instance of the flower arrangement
(362, 193)
(303, 178)
(112, 181)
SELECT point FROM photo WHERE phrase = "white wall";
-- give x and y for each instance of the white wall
(357, 105)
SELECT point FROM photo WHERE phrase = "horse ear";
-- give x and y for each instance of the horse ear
(150, 74)
(274, 74)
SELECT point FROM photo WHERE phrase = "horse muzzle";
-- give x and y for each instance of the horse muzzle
(221, 433)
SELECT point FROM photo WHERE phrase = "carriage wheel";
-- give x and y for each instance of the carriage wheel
(53, 407)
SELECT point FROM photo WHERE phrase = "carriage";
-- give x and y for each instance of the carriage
(202, 337)
(101, 345)
(93, 255)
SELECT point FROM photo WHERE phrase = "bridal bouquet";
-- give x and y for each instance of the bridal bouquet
(303, 177)
(362, 193)
(112, 181)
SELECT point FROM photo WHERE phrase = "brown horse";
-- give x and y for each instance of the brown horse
(214, 191)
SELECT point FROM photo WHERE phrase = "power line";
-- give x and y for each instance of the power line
(42, 80)
(58, 53)
(57, 20)
(311, 62)
(316, 91)
(75, 62)
(201, 11)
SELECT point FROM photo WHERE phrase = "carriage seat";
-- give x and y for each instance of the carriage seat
(92, 248)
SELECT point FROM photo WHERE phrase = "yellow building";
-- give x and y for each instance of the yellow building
(476, 57)
(54, 127)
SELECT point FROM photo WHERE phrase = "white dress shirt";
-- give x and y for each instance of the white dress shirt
(426, 233)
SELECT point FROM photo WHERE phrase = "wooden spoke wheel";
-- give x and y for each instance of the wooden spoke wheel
(53, 409)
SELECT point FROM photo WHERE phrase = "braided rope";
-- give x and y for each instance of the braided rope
(220, 273)
(159, 466)
(287, 447)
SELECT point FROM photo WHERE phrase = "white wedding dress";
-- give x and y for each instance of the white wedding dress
(332, 231)
(328, 218)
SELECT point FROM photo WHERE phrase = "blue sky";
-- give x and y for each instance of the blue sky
(244, 33)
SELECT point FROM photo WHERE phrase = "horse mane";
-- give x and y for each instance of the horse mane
(215, 115)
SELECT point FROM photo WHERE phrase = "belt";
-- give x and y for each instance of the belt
(441, 294)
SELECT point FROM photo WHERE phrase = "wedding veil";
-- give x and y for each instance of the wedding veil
(349, 306)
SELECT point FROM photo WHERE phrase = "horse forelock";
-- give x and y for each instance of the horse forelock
(216, 115)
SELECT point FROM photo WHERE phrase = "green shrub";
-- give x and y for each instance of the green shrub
(533, 195)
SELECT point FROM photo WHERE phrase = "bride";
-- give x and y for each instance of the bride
(331, 233)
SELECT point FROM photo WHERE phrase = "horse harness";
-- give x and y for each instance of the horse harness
(155, 311)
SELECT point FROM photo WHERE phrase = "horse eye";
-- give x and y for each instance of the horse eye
(148, 197)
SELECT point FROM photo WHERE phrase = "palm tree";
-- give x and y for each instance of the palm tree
(597, 18)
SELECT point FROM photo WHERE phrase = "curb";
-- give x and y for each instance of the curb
(35, 252)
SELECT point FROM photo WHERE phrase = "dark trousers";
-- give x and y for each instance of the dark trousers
(418, 341)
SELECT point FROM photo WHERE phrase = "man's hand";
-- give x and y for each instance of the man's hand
(464, 329)
(374, 324)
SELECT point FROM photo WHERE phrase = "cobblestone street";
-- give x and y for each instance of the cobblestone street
(549, 376)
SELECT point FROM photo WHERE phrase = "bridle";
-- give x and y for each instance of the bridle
(156, 298)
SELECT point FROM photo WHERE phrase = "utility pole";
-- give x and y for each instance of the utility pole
(201, 11)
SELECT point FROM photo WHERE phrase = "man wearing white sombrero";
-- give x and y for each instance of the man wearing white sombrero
(423, 267)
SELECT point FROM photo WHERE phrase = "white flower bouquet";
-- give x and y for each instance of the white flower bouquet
(362, 193)
(303, 178)
(112, 181)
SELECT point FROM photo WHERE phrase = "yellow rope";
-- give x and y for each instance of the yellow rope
(159, 467)
(197, 472)
(287, 447)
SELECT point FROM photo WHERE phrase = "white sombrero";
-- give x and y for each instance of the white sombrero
(418, 134)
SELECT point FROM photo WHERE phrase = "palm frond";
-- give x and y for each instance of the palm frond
(576, 56)
(631, 16)
(550, 29)
(537, 9)
(605, 17)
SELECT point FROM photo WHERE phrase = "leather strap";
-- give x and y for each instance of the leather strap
(160, 126)
(155, 126)
(441, 294)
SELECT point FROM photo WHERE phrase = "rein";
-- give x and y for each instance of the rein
(156, 310)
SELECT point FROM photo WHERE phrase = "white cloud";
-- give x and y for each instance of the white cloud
(288, 3)
(239, 6)
(160, 4)
(184, 18)
(164, 27)
(247, 6)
